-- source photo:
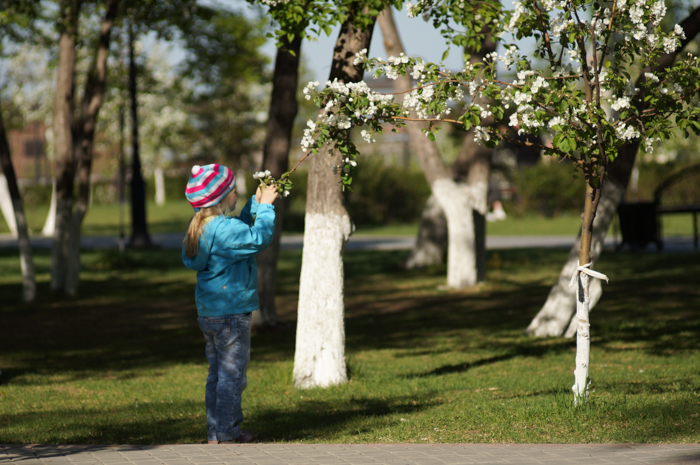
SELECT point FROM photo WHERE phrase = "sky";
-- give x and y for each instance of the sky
(419, 38)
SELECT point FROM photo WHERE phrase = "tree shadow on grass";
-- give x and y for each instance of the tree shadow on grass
(325, 419)
(521, 350)
(157, 424)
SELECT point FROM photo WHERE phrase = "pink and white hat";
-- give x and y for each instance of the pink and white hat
(208, 185)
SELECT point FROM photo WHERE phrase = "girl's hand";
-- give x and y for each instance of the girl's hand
(258, 195)
(269, 194)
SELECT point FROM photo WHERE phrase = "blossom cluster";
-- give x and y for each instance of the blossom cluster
(546, 100)
(262, 174)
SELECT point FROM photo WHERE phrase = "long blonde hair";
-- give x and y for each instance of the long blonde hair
(197, 223)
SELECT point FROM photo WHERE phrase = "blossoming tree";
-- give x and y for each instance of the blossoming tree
(576, 85)
(558, 311)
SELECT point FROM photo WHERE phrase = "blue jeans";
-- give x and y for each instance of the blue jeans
(228, 354)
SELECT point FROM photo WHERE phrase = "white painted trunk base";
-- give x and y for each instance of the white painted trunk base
(160, 186)
(431, 243)
(556, 314)
(319, 360)
(583, 340)
(461, 251)
(6, 207)
(50, 224)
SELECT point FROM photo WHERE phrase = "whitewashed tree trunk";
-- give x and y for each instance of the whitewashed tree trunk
(6, 206)
(84, 135)
(319, 360)
(454, 200)
(50, 223)
(160, 186)
(583, 340)
(555, 316)
(9, 179)
(63, 139)
(461, 255)
(431, 243)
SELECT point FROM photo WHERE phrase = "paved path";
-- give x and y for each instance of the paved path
(357, 242)
(173, 241)
(408, 454)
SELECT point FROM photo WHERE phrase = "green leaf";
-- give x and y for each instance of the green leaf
(431, 136)
(445, 55)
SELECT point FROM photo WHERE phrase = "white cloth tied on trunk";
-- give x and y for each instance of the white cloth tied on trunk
(585, 269)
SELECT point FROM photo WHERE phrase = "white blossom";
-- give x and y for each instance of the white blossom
(481, 135)
(557, 121)
(678, 30)
(360, 57)
(627, 132)
(621, 103)
(670, 44)
(367, 136)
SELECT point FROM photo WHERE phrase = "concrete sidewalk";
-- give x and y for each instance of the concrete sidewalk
(408, 454)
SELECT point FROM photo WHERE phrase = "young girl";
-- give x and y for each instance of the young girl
(221, 249)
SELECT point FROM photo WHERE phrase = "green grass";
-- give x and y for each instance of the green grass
(103, 220)
(124, 361)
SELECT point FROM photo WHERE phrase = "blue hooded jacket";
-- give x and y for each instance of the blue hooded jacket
(227, 275)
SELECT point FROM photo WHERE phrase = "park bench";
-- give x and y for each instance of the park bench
(640, 222)
(680, 193)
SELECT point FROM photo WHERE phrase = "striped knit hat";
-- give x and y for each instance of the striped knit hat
(208, 185)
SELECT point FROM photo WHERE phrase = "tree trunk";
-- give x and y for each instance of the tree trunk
(159, 179)
(583, 341)
(278, 136)
(473, 166)
(583, 300)
(50, 223)
(25, 247)
(7, 206)
(556, 313)
(63, 137)
(431, 243)
(319, 359)
(461, 261)
(139, 227)
(84, 136)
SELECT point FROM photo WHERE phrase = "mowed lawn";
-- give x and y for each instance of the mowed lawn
(124, 361)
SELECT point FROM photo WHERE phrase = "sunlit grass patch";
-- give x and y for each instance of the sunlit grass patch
(124, 361)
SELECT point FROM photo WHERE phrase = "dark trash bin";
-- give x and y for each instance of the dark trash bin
(639, 224)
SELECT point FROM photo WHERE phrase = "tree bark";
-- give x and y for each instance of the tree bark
(278, 136)
(139, 227)
(431, 243)
(63, 137)
(25, 247)
(556, 314)
(8, 210)
(583, 300)
(84, 136)
(472, 166)
(319, 359)
(50, 223)
(456, 201)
